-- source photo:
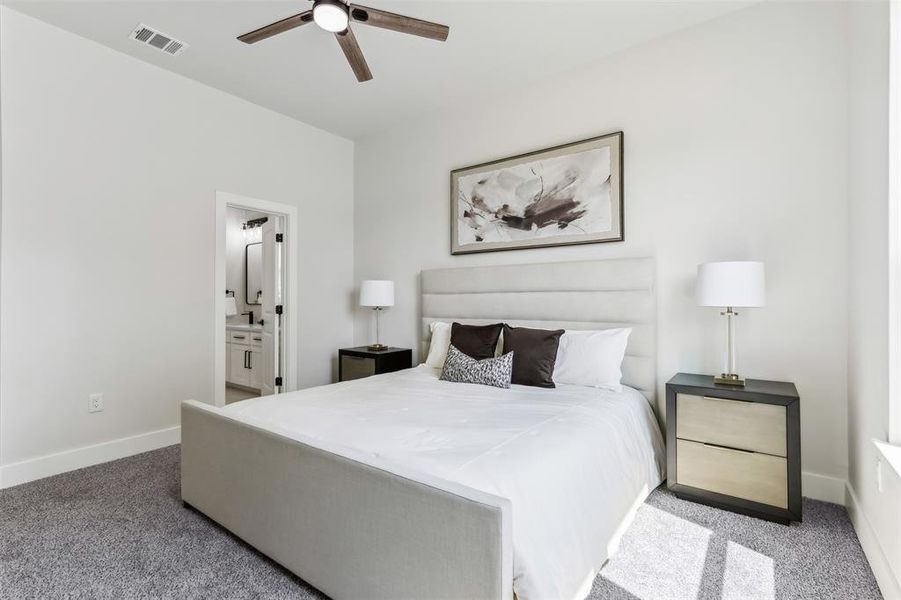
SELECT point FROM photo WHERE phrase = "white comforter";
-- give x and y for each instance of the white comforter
(573, 460)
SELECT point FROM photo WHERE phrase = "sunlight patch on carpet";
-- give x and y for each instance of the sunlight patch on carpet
(748, 574)
(667, 562)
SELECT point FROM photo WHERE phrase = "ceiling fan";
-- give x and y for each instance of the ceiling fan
(335, 16)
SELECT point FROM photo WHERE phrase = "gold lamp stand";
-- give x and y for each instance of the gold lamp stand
(731, 377)
(377, 346)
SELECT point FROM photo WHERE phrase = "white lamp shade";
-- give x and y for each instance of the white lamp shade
(738, 283)
(377, 292)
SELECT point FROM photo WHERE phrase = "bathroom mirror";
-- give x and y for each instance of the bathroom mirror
(253, 273)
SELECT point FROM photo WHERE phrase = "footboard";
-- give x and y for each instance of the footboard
(348, 525)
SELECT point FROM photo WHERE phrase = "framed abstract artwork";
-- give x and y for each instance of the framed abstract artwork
(570, 194)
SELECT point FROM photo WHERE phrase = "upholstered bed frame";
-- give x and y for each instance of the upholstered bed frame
(594, 294)
(355, 527)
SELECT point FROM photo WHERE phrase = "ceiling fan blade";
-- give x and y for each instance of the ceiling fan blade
(394, 22)
(354, 55)
(276, 28)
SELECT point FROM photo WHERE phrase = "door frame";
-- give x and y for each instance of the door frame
(290, 316)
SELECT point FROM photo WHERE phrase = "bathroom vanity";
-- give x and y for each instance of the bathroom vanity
(243, 348)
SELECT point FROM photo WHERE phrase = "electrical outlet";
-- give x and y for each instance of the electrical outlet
(95, 402)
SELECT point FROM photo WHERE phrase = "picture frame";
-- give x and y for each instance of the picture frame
(558, 196)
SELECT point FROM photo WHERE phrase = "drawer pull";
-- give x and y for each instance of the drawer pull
(728, 449)
(258, 339)
(238, 337)
(723, 399)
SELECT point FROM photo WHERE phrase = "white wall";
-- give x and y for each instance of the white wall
(735, 148)
(868, 285)
(110, 168)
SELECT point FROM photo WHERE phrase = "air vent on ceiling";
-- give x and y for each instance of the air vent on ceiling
(161, 41)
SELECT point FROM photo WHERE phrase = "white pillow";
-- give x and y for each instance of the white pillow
(441, 334)
(592, 358)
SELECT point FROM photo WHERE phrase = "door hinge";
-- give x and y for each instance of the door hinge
(279, 237)
(278, 382)
(278, 309)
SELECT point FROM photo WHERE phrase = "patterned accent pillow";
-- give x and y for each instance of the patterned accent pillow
(461, 368)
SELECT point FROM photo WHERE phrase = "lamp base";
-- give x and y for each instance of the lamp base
(729, 379)
(377, 347)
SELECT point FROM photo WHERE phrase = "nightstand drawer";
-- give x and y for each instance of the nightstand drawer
(744, 425)
(356, 367)
(749, 475)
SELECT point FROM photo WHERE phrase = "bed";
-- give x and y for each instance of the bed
(404, 486)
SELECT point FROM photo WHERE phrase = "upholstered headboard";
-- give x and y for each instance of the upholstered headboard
(594, 294)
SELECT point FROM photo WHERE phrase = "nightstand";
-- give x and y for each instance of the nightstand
(354, 363)
(736, 448)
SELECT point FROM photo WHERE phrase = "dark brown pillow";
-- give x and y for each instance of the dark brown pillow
(476, 341)
(534, 354)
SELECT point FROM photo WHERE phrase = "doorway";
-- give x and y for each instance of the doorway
(255, 307)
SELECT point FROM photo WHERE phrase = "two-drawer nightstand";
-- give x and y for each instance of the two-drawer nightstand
(736, 448)
(354, 363)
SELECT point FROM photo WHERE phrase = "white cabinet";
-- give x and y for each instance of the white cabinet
(240, 374)
(256, 368)
(256, 359)
(244, 359)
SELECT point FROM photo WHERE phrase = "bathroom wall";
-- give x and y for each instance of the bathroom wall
(235, 272)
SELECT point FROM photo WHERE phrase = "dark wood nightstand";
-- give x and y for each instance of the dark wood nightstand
(736, 448)
(354, 363)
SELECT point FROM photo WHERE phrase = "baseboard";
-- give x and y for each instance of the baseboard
(888, 584)
(822, 487)
(70, 460)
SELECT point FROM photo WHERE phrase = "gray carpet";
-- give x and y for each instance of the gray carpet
(119, 531)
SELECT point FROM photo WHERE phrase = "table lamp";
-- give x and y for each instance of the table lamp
(729, 285)
(377, 294)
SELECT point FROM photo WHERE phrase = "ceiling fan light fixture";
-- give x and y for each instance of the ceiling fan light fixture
(330, 15)
(335, 16)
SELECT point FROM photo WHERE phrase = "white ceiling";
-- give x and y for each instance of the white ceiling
(303, 74)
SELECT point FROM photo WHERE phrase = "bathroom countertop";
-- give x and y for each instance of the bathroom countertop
(243, 327)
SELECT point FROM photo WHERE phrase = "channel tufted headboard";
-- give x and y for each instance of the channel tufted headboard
(594, 294)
